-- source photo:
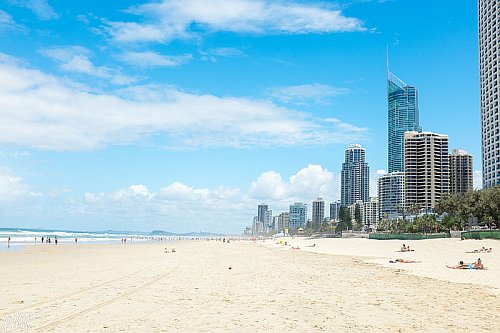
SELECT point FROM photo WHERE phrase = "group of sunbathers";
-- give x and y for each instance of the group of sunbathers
(475, 265)
(482, 250)
(405, 248)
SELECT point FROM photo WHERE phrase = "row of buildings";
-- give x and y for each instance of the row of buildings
(420, 168)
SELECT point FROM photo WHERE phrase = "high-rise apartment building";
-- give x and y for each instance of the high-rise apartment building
(489, 76)
(391, 195)
(427, 174)
(261, 212)
(298, 215)
(371, 213)
(334, 210)
(283, 222)
(355, 176)
(268, 220)
(461, 178)
(402, 101)
(318, 213)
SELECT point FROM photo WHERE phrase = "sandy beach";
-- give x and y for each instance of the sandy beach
(206, 286)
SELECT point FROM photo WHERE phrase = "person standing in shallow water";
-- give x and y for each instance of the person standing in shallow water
(8, 242)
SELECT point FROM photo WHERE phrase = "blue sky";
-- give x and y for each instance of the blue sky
(184, 115)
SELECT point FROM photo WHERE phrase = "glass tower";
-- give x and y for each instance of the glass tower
(403, 116)
(298, 215)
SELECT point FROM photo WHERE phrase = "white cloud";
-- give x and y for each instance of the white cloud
(182, 192)
(269, 185)
(42, 111)
(223, 209)
(75, 59)
(153, 59)
(172, 19)
(175, 207)
(12, 187)
(306, 185)
(305, 93)
(40, 8)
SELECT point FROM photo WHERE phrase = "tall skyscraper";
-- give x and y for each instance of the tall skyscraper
(298, 215)
(427, 173)
(461, 179)
(391, 195)
(268, 220)
(355, 176)
(489, 70)
(318, 213)
(334, 210)
(261, 212)
(402, 101)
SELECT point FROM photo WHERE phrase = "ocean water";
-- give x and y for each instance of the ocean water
(21, 237)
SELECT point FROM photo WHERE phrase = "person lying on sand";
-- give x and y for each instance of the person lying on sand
(461, 265)
(313, 245)
(404, 261)
(295, 247)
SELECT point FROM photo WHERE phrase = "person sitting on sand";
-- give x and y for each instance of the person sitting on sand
(403, 249)
(173, 249)
(403, 261)
(478, 264)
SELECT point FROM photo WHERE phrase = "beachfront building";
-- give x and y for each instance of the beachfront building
(461, 178)
(334, 210)
(402, 101)
(489, 71)
(298, 215)
(282, 222)
(352, 211)
(371, 213)
(261, 212)
(318, 213)
(355, 176)
(268, 220)
(427, 174)
(257, 227)
(391, 195)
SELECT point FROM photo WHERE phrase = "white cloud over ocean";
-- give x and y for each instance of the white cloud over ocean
(44, 111)
(176, 207)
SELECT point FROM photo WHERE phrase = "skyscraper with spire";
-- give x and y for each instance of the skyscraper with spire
(402, 102)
